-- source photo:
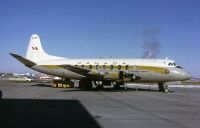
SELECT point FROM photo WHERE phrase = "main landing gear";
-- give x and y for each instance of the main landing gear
(163, 87)
(100, 84)
(85, 84)
(117, 85)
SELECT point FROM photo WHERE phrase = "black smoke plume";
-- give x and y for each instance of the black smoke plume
(151, 43)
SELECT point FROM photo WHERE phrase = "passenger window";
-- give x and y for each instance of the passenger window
(90, 66)
(119, 67)
(104, 66)
(97, 66)
(82, 65)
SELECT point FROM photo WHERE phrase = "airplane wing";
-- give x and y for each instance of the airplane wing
(83, 71)
(79, 70)
(23, 60)
(101, 75)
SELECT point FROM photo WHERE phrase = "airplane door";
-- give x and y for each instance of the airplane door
(121, 74)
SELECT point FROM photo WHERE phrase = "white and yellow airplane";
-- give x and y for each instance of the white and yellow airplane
(100, 72)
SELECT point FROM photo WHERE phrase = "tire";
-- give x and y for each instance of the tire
(166, 90)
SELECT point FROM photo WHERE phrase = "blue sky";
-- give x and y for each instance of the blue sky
(101, 28)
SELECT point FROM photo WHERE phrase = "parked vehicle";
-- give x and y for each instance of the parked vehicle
(20, 79)
(44, 79)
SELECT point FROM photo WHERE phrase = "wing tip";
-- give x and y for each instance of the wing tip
(23, 60)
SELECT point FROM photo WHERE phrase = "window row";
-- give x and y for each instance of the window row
(104, 66)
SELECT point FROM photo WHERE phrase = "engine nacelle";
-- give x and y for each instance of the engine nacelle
(120, 75)
(114, 75)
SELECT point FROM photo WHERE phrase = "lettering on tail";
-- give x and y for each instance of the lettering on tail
(35, 48)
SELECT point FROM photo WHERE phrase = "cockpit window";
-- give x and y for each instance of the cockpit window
(172, 64)
(179, 67)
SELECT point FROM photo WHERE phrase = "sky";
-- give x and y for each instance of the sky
(101, 28)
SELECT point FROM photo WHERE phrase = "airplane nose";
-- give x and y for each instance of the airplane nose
(181, 74)
(188, 76)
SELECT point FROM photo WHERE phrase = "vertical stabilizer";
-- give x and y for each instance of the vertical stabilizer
(35, 51)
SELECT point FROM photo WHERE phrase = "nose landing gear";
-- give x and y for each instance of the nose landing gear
(163, 87)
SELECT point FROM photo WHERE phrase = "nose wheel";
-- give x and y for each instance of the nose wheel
(163, 87)
(166, 90)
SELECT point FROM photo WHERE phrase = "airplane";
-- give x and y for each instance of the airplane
(101, 72)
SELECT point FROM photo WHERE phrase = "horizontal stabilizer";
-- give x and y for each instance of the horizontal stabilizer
(23, 60)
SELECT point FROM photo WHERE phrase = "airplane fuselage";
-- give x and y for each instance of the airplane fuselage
(149, 70)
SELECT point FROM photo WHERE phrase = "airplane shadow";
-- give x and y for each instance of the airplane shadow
(110, 90)
(41, 85)
(128, 89)
(1, 94)
(122, 89)
(33, 113)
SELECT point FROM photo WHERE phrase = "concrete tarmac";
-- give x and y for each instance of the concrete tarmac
(39, 105)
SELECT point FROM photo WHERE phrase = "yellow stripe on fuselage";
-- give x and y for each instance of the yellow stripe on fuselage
(160, 70)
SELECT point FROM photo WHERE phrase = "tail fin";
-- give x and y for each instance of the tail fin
(35, 51)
